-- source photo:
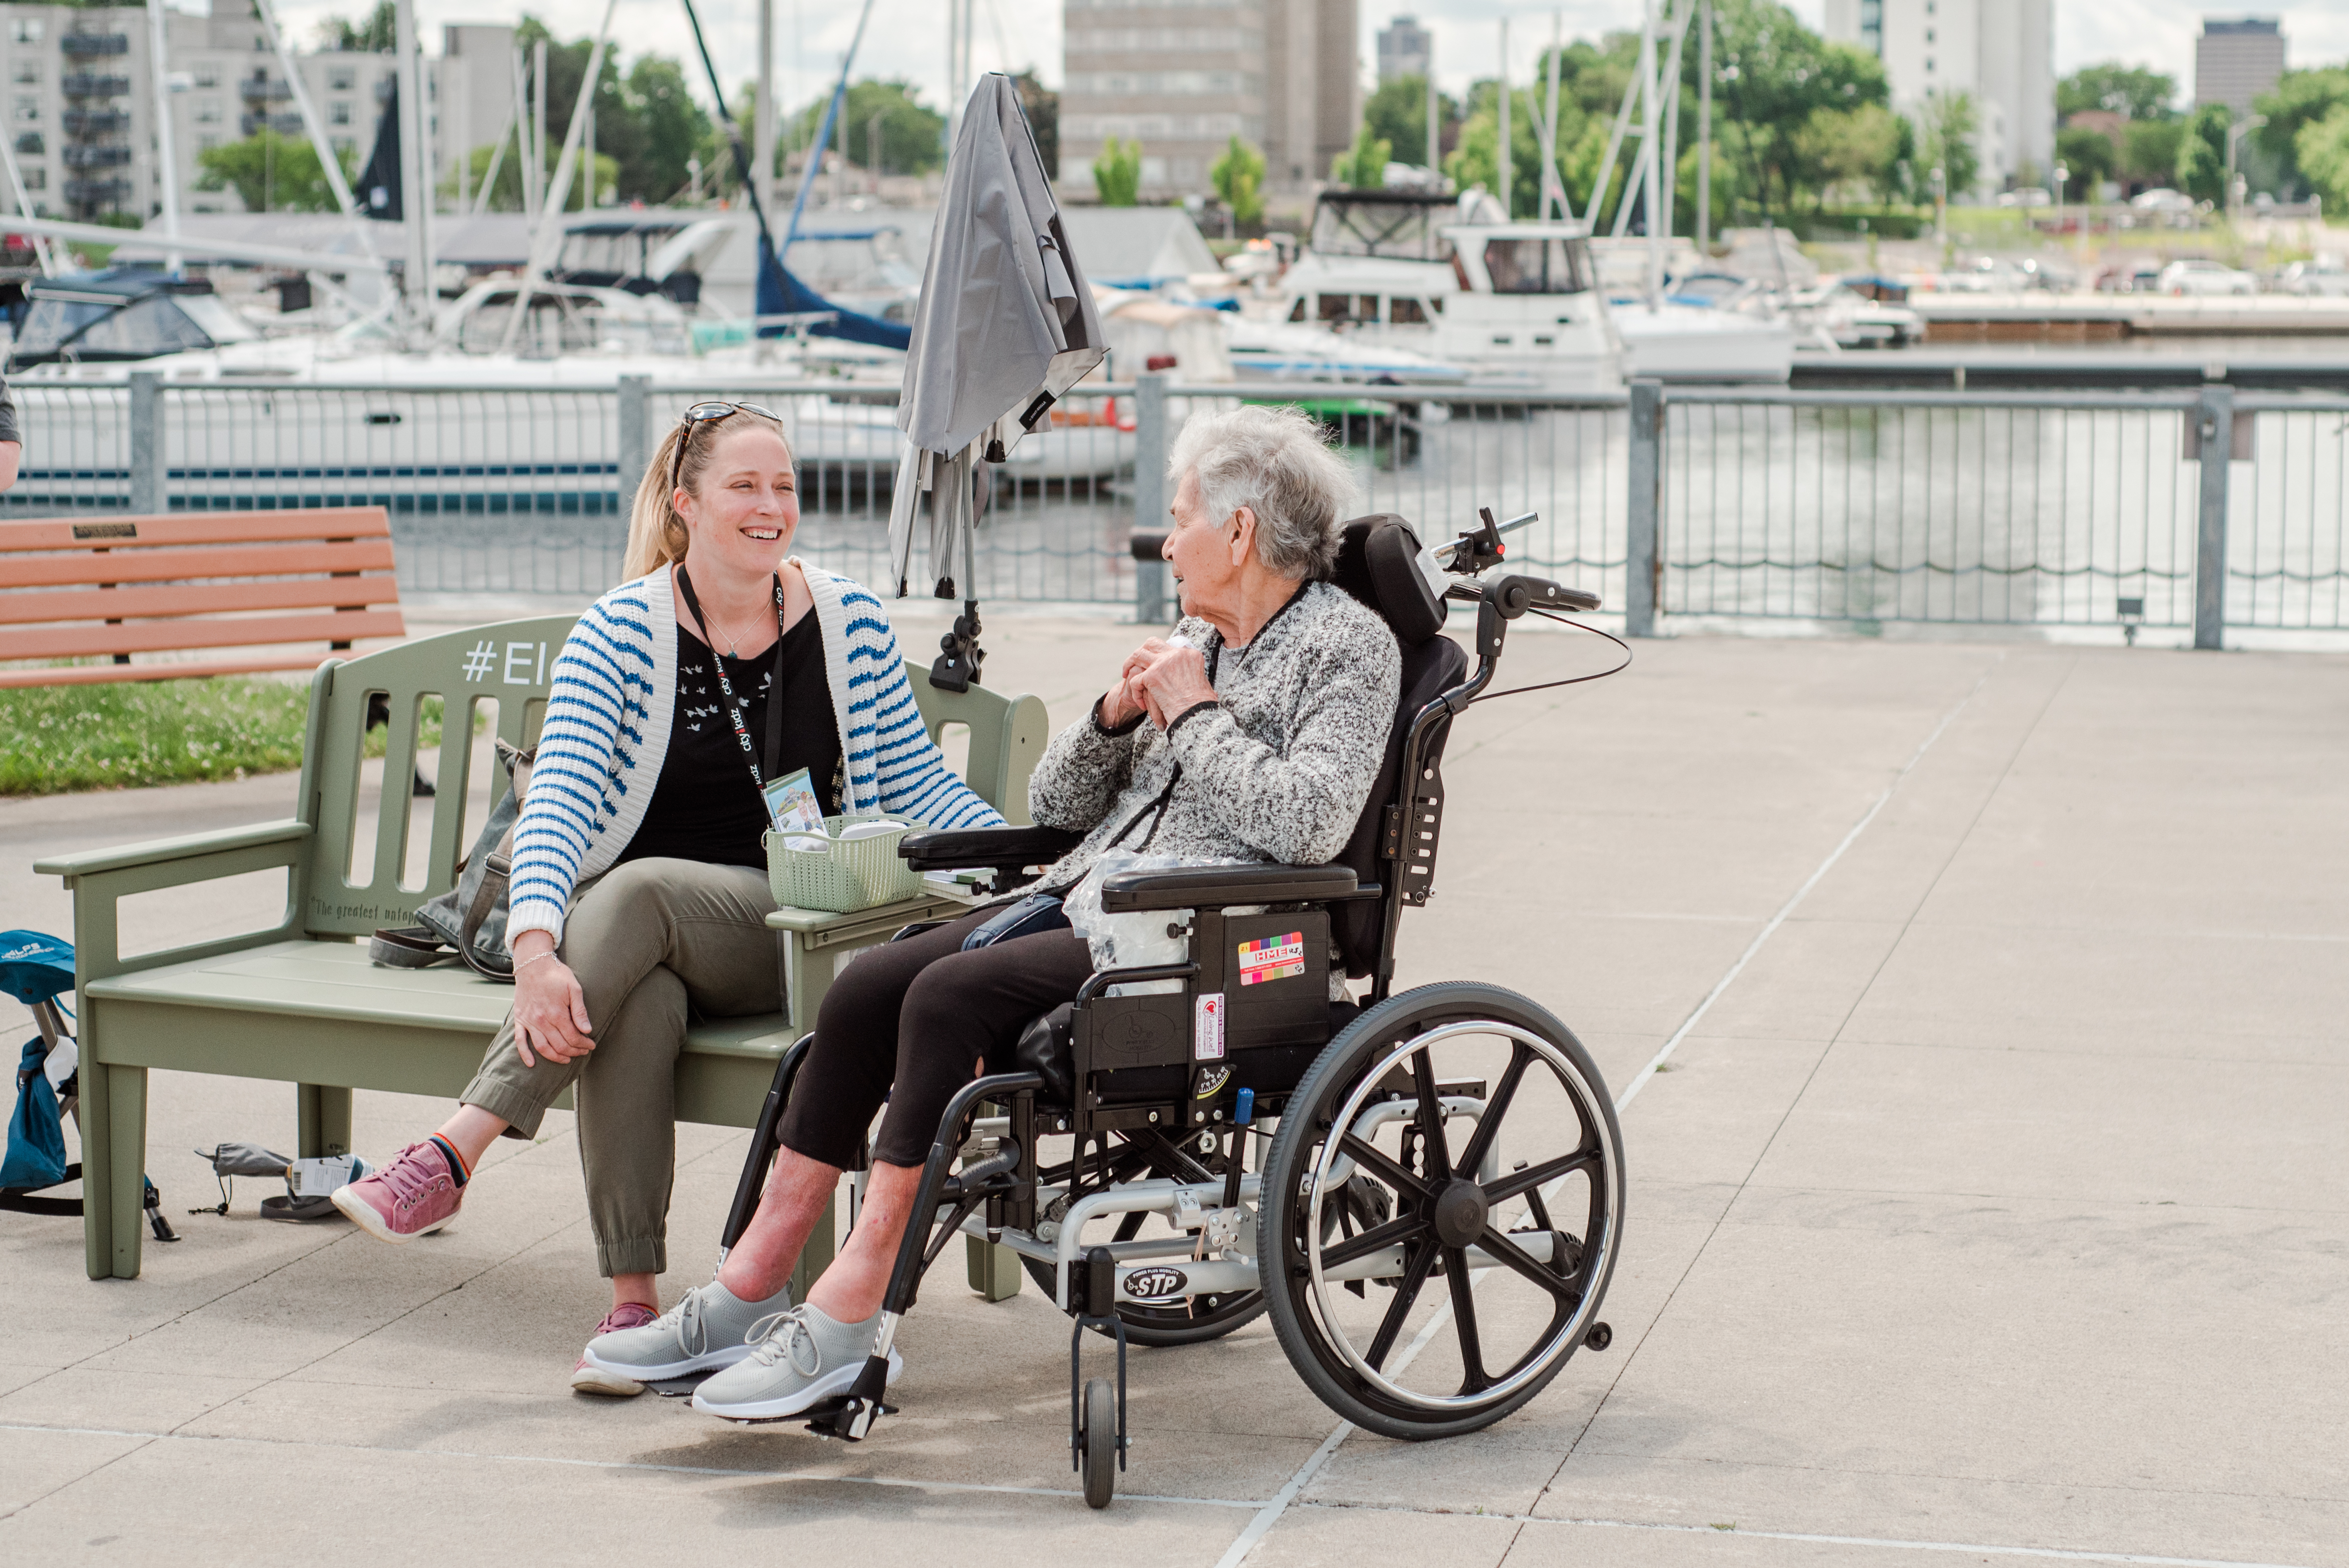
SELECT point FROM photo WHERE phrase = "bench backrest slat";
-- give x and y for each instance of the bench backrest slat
(159, 636)
(510, 663)
(181, 599)
(187, 565)
(194, 528)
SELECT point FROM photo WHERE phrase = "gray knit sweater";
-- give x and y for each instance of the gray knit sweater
(1277, 769)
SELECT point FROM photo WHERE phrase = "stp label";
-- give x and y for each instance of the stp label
(1207, 1028)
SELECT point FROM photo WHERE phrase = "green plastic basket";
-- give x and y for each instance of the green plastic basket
(844, 876)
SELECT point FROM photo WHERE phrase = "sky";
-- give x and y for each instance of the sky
(908, 38)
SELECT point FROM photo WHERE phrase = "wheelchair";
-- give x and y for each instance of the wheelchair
(1424, 1189)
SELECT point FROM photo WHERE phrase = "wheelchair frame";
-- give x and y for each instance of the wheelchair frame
(1177, 1148)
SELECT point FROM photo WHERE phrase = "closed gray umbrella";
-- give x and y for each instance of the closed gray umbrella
(1005, 325)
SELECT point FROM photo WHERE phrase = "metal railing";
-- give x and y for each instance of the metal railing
(1980, 508)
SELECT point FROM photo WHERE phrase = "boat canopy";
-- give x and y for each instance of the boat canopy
(1399, 225)
(123, 313)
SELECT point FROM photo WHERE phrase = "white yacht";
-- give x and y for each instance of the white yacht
(1508, 304)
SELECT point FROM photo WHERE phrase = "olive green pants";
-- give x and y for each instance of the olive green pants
(652, 942)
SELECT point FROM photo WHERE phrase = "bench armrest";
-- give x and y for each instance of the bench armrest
(960, 849)
(1213, 887)
(159, 852)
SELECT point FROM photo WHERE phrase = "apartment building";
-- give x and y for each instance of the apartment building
(1182, 79)
(81, 81)
(1405, 49)
(2001, 53)
(2235, 62)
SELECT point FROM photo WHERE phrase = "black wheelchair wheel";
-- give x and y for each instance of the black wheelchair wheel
(1467, 1141)
(1192, 1321)
(1097, 1443)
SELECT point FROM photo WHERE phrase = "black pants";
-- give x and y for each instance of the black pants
(907, 1022)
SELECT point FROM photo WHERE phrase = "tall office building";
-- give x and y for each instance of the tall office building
(1405, 48)
(2000, 52)
(2235, 62)
(1184, 79)
(81, 100)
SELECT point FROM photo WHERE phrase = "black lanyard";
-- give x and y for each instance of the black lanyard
(733, 704)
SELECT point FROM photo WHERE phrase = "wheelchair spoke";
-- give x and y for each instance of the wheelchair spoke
(1464, 1320)
(1377, 1239)
(1535, 1176)
(1514, 1256)
(1414, 1274)
(1436, 1161)
(1488, 1125)
(1367, 1156)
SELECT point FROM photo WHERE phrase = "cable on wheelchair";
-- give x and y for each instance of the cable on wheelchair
(1571, 680)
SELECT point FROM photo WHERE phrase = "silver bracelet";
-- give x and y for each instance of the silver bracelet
(528, 962)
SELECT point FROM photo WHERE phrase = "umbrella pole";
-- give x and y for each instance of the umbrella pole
(956, 667)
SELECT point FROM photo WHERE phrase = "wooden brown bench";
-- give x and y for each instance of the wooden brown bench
(241, 581)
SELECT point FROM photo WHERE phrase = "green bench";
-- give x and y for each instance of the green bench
(300, 1002)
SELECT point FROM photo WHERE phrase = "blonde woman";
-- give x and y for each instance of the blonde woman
(723, 664)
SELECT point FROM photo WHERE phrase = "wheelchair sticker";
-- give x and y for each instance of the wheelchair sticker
(1211, 1082)
(1155, 1283)
(1272, 958)
(1207, 1028)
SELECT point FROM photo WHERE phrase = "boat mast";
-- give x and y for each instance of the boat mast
(415, 177)
(1671, 160)
(1434, 119)
(1704, 130)
(168, 171)
(1507, 181)
(1553, 188)
(762, 110)
(1649, 112)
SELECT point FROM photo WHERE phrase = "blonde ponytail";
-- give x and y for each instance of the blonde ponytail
(657, 534)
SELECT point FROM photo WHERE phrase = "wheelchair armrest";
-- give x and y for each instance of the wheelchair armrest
(1212, 887)
(959, 849)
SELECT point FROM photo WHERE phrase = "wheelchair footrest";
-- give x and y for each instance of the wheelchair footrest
(850, 1416)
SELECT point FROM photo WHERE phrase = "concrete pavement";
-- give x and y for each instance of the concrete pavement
(1993, 1203)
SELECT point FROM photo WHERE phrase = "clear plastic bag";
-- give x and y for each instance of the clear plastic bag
(1131, 940)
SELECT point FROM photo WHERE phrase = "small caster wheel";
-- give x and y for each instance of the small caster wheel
(1097, 1443)
(1599, 1338)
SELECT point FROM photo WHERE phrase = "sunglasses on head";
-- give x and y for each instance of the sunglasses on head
(708, 413)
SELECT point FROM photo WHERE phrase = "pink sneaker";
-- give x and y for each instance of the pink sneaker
(589, 1378)
(412, 1196)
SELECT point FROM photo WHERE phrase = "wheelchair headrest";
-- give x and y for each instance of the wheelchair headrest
(1378, 563)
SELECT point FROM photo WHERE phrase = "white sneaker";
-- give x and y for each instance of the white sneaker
(809, 1357)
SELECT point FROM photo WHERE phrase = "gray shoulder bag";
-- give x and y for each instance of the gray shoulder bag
(471, 917)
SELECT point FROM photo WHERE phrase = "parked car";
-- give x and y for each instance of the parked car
(2161, 199)
(2206, 278)
(2324, 277)
(2025, 196)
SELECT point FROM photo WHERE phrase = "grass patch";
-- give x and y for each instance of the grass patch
(58, 740)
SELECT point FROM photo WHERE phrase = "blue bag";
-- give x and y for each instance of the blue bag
(36, 1134)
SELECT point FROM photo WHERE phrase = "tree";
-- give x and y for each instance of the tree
(1476, 158)
(910, 132)
(2149, 150)
(2089, 156)
(1042, 108)
(271, 173)
(2133, 92)
(2300, 100)
(2201, 165)
(1945, 140)
(1854, 152)
(1238, 178)
(1362, 166)
(2322, 152)
(376, 36)
(1776, 75)
(1397, 113)
(1117, 173)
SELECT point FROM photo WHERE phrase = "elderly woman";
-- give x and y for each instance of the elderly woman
(1254, 734)
(722, 665)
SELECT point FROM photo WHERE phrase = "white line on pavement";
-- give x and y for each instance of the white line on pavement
(2063, 1553)
(1270, 1514)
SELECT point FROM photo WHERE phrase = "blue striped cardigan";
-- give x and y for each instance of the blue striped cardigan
(608, 713)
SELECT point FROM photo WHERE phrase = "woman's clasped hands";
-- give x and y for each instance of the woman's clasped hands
(1162, 678)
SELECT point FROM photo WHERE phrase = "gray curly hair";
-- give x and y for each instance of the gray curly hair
(1275, 462)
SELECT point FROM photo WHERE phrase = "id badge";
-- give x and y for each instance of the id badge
(792, 806)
